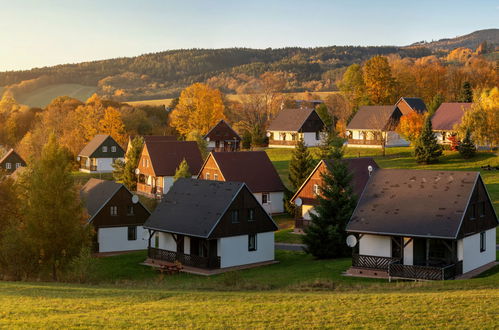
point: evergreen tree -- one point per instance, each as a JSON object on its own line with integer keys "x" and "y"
{"x": 466, "y": 93}
{"x": 437, "y": 100}
{"x": 326, "y": 117}
{"x": 325, "y": 236}
{"x": 467, "y": 148}
{"x": 182, "y": 171}
{"x": 427, "y": 149}
{"x": 331, "y": 145}
{"x": 124, "y": 172}
{"x": 300, "y": 166}
{"x": 201, "y": 142}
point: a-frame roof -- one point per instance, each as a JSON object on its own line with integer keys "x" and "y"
{"x": 166, "y": 156}
{"x": 94, "y": 144}
{"x": 222, "y": 132}
{"x": 415, "y": 103}
{"x": 10, "y": 153}
{"x": 292, "y": 120}
{"x": 374, "y": 117}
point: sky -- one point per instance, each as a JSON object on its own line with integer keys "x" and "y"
{"x": 37, "y": 33}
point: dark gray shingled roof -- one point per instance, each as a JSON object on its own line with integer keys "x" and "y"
{"x": 96, "y": 193}
{"x": 372, "y": 117}
{"x": 290, "y": 120}
{"x": 419, "y": 203}
{"x": 193, "y": 207}
{"x": 416, "y": 103}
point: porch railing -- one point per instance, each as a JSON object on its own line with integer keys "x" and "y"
{"x": 425, "y": 272}
{"x": 91, "y": 168}
{"x": 372, "y": 262}
{"x": 283, "y": 143}
{"x": 365, "y": 142}
{"x": 184, "y": 259}
{"x": 149, "y": 190}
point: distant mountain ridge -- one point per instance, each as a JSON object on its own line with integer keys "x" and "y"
{"x": 471, "y": 40}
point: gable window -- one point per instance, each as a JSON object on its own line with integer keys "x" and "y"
{"x": 132, "y": 233}
{"x": 473, "y": 212}
{"x": 114, "y": 210}
{"x": 18, "y": 165}
{"x": 252, "y": 242}
{"x": 8, "y": 166}
{"x": 265, "y": 198}
{"x": 316, "y": 189}
{"x": 130, "y": 210}
{"x": 483, "y": 242}
{"x": 215, "y": 177}
{"x": 104, "y": 149}
{"x": 113, "y": 148}
{"x": 234, "y": 216}
{"x": 317, "y": 135}
{"x": 481, "y": 209}
{"x": 251, "y": 214}
{"x": 147, "y": 162}
{"x": 207, "y": 176}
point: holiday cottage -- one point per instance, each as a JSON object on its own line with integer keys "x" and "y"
{"x": 251, "y": 167}
{"x": 210, "y": 225}
{"x": 149, "y": 138}
{"x": 422, "y": 224}
{"x": 407, "y": 105}
{"x": 99, "y": 154}
{"x": 446, "y": 118}
{"x": 306, "y": 196}
{"x": 159, "y": 161}
{"x": 11, "y": 161}
{"x": 222, "y": 138}
{"x": 291, "y": 125}
{"x": 117, "y": 216}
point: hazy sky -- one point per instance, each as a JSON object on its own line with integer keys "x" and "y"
{"x": 36, "y": 33}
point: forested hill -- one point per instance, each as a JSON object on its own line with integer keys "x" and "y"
{"x": 472, "y": 40}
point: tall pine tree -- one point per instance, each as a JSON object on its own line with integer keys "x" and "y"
{"x": 467, "y": 148}
{"x": 325, "y": 236}
{"x": 124, "y": 172}
{"x": 182, "y": 171}
{"x": 427, "y": 149}
{"x": 331, "y": 145}
{"x": 300, "y": 166}
{"x": 466, "y": 94}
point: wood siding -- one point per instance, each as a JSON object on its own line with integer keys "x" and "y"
{"x": 122, "y": 199}
{"x": 243, "y": 202}
{"x": 13, "y": 159}
{"x": 313, "y": 123}
{"x": 404, "y": 108}
{"x": 109, "y": 142}
{"x": 211, "y": 167}
{"x": 306, "y": 193}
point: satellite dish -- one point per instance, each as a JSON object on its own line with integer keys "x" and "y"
{"x": 351, "y": 241}
{"x": 137, "y": 171}
{"x": 298, "y": 202}
{"x": 135, "y": 199}
{"x": 268, "y": 134}
{"x": 208, "y": 139}
{"x": 370, "y": 168}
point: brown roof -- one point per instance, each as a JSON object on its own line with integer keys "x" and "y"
{"x": 448, "y": 115}
{"x": 416, "y": 103}
{"x": 420, "y": 203}
{"x": 376, "y": 117}
{"x": 222, "y": 132}
{"x": 166, "y": 156}
{"x": 251, "y": 167}
{"x": 9, "y": 153}
{"x": 152, "y": 138}
{"x": 290, "y": 120}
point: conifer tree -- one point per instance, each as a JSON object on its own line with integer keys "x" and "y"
{"x": 325, "y": 236}
{"x": 124, "y": 172}
{"x": 467, "y": 148}
{"x": 466, "y": 93}
{"x": 427, "y": 150}
{"x": 331, "y": 145}
{"x": 301, "y": 165}
{"x": 182, "y": 171}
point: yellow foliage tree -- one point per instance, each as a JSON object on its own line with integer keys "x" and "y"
{"x": 378, "y": 79}
{"x": 112, "y": 124}
{"x": 199, "y": 108}
{"x": 411, "y": 125}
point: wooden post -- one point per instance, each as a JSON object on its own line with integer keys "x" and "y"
{"x": 427, "y": 250}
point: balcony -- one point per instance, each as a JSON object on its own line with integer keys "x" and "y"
{"x": 365, "y": 142}
{"x": 283, "y": 143}
{"x": 184, "y": 259}
{"x": 372, "y": 262}
{"x": 149, "y": 191}
{"x": 425, "y": 272}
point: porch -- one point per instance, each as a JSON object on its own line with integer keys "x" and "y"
{"x": 149, "y": 190}
{"x": 286, "y": 143}
{"x": 211, "y": 262}
{"x": 88, "y": 164}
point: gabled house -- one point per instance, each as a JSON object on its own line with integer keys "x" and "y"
{"x": 374, "y": 126}
{"x": 222, "y": 138}
{"x": 116, "y": 215}
{"x": 159, "y": 161}
{"x": 210, "y": 225}
{"x": 99, "y": 154}
{"x": 447, "y": 116}
{"x": 251, "y": 167}
{"x": 306, "y": 196}
{"x": 422, "y": 224}
{"x": 149, "y": 138}
{"x": 291, "y": 125}
{"x": 408, "y": 104}
{"x": 11, "y": 161}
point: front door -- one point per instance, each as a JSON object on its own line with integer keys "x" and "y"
{"x": 397, "y": 247}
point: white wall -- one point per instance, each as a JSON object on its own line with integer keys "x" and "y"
{"x": 233, "y": 251}
{"x": 375, "y": 245}
{"x": 395, "y": 140}
{"x": 276, "y": 204}
{"x": 408, "y": 252}
{"x": 104, "y": 165}
{"x": 167, "y": 183}
{"x": 470, "y": 250}
{"x": 114, "y": 239}
{"x": 166, "y": 242}
{"x": 309, "y": 139}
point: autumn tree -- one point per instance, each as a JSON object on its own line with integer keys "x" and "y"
{"x": 379, "y": 81}
{"x": 199, "y": 108}
{"x": 9, "y": 201}
{"x": 410, "y": 126}
{"x": 353, "y": 87}
{"x": 124, "y": 172}
{"x": 112, "y": 125}
{"x": 427, "y": 150}
{"x": 200, "y": 141}
{"x": 182, "y": 171}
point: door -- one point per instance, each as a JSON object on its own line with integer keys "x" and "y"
{"x": 398, "y": 247}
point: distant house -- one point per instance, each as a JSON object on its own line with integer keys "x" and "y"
{"x": 149, "y": 138}
{"x": 306, "y": 196}
{"x": 373, "y": 126}
{"x": 408, "y": 104}
{"x": 11, "y": 161}
{"x": 222, "y": 138}
{"x": 447, "y": 116}
{"x": 99, "y": 154}
{"x": 291, "y": 125}
{"x": 117, "y": 216}
{"x": 159, "y": 161}
{"x": 210, "y": 225}
{"x": 422, "y": 224}
{"x": 251, "y": 167}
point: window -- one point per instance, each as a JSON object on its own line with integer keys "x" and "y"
{"x": 251, "y": 214}
{"x": 317, "y": 136}
{"x": 132, "y": 233}
{"x": 483, "y": 246}
{"x": 207, "y": 176}
{"x": 104, "y": 149}
{"x": 130, "y": 210}
{"x": 18, "y": 165}
{"x": 252, "y": 242}
{"x": 8, "y": 166}
{"x": 113, "y": 149}
{"x": 147, "y": 162}
{"x": 316, "y": 189}
{"x": 473, "y": 212}
{"x": 215, "y": 177}
{"x": 481, "y": 209}
{"x": 234, "y": 216}
{"x": 114, "y": 211}
{"x": 265, "y": 198}
{"x": 156, "y": 241}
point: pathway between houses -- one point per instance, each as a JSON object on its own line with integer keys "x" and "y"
{"x": 289, "y": 246}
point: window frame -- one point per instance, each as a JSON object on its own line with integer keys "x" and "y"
{"x": 130, "y": 208}
{"x": 317, "y": 136}
{"x": 483, "y": 242}
{"x": 133, "y": 231}
{"x": 8, "y": 166}
{"x": 113, "y": 148}
{"x": 267, "y": 198}
{"x": 104, "y": 148}
{"x": 113, "y": 210}
{"x": 481, "y": 209}
{"x": 252, "y": 242}
{"x": 251, "y": 215}
{"x": 473, "y": 211}
{"x": 207, "y": 176}
{"x": 215, "y": 177}
{"x": 315, "y": 189}
{"x": 234, "y": 216}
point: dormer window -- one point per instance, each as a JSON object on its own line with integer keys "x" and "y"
{"x": 104, "y": 148}
{"x": 113, "y": 149}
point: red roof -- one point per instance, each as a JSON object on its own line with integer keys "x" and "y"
{"x": 448, "y": 115}
{"x": 166, "y": 156}
{"x": 251, "y": 167}
{"x": 222, "y": 132}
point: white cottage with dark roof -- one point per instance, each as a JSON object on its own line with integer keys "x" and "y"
{"x": 99, "y": 154}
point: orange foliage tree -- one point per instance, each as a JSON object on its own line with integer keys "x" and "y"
{"x": 410, "y": 126}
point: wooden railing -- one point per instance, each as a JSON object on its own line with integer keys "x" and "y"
{"x": 149, "y": 190}
{"x": 184, "y": 259}
{"x": 282, "y": 143}
{"x": 302, "y": 223}
{"x": 372, "y": 262}
{"x": 91, "y": 168}
{"x": 365, "y": 142}
{"x": 425, "y": 272}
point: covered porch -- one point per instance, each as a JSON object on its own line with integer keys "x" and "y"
{"x": 87, "y": 164}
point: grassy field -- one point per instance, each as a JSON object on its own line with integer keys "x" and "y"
{"x": 43, "y": 96}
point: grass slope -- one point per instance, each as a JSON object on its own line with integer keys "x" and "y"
{"x": 42, "y": 96}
